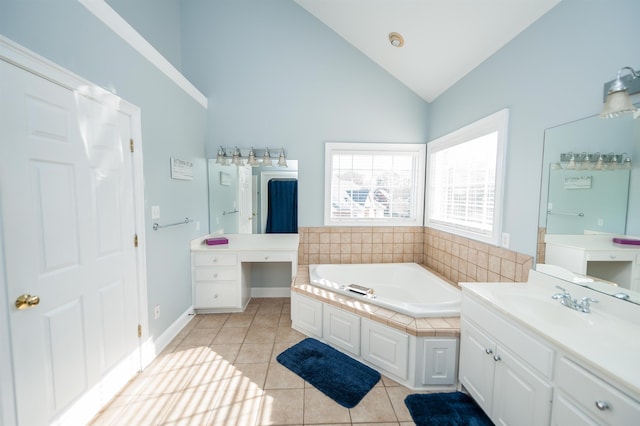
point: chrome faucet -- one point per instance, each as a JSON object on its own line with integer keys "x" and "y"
{"x": 565, "y": 298}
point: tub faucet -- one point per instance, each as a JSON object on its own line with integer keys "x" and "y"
{"x": 565, "y": 298}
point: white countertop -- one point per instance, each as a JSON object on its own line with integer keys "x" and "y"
{"x": 607, "y": 339}
{"x": 249, "y": 242}
{"x": 591, "y": 242}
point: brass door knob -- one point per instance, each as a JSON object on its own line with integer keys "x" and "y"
{"x": 27, "y": 301}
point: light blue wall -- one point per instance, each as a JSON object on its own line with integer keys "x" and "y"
{"x": 158, "y": 21}
{"x": 550, "y": 74}
{"x": 275, "y": 76}
{"x": 173, "y": 124}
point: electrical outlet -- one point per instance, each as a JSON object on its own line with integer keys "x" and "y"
{"x": 155, "y": 212}
{"x": 156, "y": 312}
{"x": 505, "y": 239}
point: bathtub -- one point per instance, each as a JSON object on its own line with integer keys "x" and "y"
{"x": 407, "y": 288}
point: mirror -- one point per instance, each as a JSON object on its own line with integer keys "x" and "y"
{"x": 581, "y": 197}
{"x": 238, "y": 195}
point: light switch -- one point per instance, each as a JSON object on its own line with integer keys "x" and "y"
{"x": 155, "y": 212}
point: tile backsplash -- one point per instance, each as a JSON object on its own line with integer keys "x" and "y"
{"x": 455, "y": 258}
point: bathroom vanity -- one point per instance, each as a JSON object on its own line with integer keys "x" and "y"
{"x": 528, "y": 360}
{"x": 222, "y": 275}
{"x": 597, "y": 256}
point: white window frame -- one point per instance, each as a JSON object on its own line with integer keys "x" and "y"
{"x": 419, "y": 153}
{"x": 497, "y": 122}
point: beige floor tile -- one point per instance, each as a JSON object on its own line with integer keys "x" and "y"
{"x": 247, "y": 376}
{"x": 145, "y": 410}
{"x": 260, "y": 334}
{"x": 226, "y": 351}
{"x": 281, "y": 407}
{"x": 230, "y": 335}
{"x": 289, "y": 335}
{"x": 212, "y": 321}
{"x": 191, "y": 408}
{"x": 254, "y": 353}
{"x": 374, "y": 407}
{"x": 239, "y": 320}
{"x": 319, "y": 408}
{"x": 396, "y": 396}
{"x": 237, "y": 407}
{"x": 211, "y": 376}
{"x": 267, "y": 320}
{"x": 199, "y": 336}
{"x": 280, "y": 377}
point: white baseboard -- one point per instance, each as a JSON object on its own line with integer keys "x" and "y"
{"x": 271, "y": 291}
{"x": 152, "y": 347}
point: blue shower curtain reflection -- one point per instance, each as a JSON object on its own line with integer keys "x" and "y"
{"x": 282, "y": 211}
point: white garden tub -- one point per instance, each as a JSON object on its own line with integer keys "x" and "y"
{"x": 406, "y": 288}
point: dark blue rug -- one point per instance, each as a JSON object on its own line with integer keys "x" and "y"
{"x": 445, "y": 409}
{"x": 333, "y": 373}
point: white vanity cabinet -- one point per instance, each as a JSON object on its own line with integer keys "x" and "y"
{"x": 597, "y": 256}
{"x": 222, "y": 274}
{"x": 505, "y": 369}
{"x": 215, "y": 282}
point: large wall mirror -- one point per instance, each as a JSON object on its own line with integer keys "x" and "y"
{"x": 240, "y": 198}
{"x": 591, "y": 179}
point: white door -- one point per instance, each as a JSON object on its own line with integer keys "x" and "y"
{"x": 245, "y": 194}
{"x": 67, "y": 208}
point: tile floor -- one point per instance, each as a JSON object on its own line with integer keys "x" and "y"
{"x": 222, "y": 370}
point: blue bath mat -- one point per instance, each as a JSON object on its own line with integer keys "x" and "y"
{"x": 445, "y": 409}
{"x": 333, "y": 373}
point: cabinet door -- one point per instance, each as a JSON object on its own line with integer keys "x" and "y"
{"x": 341, "y": 329}
{"x": 306, "y": 315}
{"x": 520, "y": 397}
{"x": 477, "y": 366}
{"x": 385, "y": 347}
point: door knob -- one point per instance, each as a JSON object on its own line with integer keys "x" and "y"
{"x": 27, "y": 301}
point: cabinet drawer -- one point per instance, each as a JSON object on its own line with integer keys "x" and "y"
{"x": 589, "y": 391}
{"x": 610, "y": 256}
{"x": 214, "y": 259}
{"x": 267, "y": 257}
{"x": 215, "y": 274}
{"x": 531, "y": 350}
{"x": 218, "y": 295}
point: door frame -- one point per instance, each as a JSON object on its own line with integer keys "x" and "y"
{"x": 29, "y": 61}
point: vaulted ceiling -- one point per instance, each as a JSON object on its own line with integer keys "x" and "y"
{"x": 443, "y": 39}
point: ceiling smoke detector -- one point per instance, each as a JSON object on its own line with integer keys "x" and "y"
{"x": 396, "y": 40}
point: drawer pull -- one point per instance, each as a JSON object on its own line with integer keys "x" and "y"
{"x": 602, "y": 405}
{"x": 488, "y": 351}
{"x": 266, "y": 258}
{"x": 215, "y": 259}
{"x": 496, "y": 358}
{"x": 215, "y": 296}
{"x": 215, "y": 275}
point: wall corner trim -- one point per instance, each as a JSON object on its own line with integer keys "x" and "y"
{"x": 118, "y": 25}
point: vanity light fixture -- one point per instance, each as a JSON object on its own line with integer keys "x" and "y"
{"x": 396, "y": 39}
{"x": 282, "y": 159}
{"x": 254, "y": 157}
{"x": 221, "y": 157}
{"x": 266, "y": 159}
{"x": 617, "y": 92}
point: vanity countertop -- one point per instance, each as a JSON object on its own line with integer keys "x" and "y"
{"x": 591, "y": 242}
{"x": 603, "y": 339}
{"x": 249, "y": 242}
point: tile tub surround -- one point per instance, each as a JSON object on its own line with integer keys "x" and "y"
{"x": 455, "y": 258}
{"x": 463, "y": 260}
{"x": 419, "y": 327}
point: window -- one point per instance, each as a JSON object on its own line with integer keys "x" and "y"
{"x": 374, "y": 184}
{"x": 465, "y": 179}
